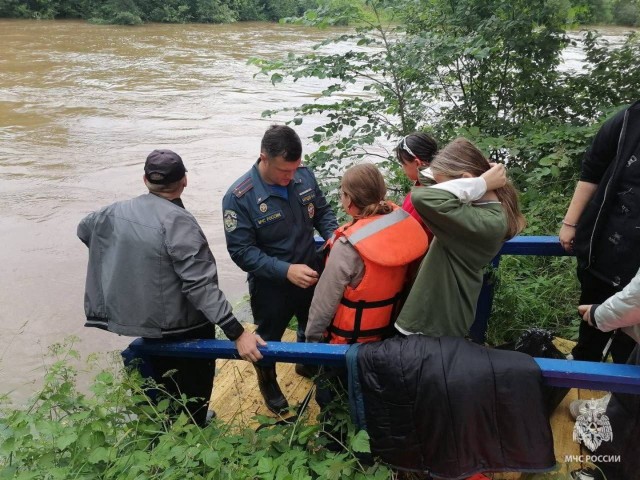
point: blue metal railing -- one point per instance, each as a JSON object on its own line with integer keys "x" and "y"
{"x": 539, "y": 246}
{"x": 559, "y": 373}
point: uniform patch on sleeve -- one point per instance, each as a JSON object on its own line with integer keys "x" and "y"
{"x": 230, "y": 219}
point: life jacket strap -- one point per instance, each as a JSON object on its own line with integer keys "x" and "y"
{"x": 353, "y": 335}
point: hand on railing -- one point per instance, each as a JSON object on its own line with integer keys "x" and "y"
{"x": 247, "y": 345}
{"x": 566, "y": 235}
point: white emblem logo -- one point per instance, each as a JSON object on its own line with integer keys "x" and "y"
{"x": 263, "y": 207}
{"x": 592, "y": 425}
{"x": 311, "y": 210}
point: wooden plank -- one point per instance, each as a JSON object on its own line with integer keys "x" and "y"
{"x": 236, "y": 398}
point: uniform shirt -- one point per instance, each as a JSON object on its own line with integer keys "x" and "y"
{"x": 266, "y": 232}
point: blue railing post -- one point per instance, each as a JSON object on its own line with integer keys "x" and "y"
{"x": 520, "y": 245}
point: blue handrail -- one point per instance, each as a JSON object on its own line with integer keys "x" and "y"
{"x": 559, "y": 373}
{"x": 546, "y": 246}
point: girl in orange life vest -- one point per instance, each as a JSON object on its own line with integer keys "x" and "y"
{"x": 415, "y": 152}
{"x": 357, "y": 295}
{"x": 356, "y": 298}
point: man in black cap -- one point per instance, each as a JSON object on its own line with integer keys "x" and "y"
{"x": 151, "y": 274}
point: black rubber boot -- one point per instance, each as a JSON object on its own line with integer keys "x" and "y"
{"x": 307, "y": 371}
{"x": 270, "y": 390}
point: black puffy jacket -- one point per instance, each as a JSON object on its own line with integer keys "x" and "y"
{"x": 449, "y": 407}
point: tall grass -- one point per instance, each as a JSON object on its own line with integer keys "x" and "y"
{"x": 534, "y": 292}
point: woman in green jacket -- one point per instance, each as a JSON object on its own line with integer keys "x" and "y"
{"x": 472, "y": 209}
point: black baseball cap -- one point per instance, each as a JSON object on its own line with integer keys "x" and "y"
{"x": 164, "y": 167}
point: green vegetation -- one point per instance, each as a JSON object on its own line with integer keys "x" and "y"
{"x": 619, "y": 12}
{"x": 488, "y": 70}
{"x": 133, "y": 12}
{"x": 171, "y": 11}
{"x": 115, "y": 432}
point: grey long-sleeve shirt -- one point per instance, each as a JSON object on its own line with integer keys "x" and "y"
{"x": 344, "y": 267}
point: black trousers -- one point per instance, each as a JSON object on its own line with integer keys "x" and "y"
{"x": 623, "y": 411}
{"x": 193, "y": 376}
{"x": 591, "y": 341}
{"x": 274, "y": 304}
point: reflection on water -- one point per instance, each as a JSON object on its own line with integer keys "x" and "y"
{"x": 80, "y": 108}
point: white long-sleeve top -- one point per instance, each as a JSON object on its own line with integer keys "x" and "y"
{"x": 621, "y": 310}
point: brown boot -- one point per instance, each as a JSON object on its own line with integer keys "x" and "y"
{"x": 270, "y": 390}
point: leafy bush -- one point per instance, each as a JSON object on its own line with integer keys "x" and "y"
{"x": 627, "y": 13}
{"x": 126, "y": 18}
{"x": 170, "y": 11}
{"x": 486, "y": 70}
{"x": 115, "y": 432}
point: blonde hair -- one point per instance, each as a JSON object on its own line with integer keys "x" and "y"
{"x": 461, "y": 156}
{"x": 366, "y": 188}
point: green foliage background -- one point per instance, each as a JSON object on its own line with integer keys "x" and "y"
{"x": 115, "y": 432}
{"x": 132, "y": 12}
{"x": 489, "y": 70}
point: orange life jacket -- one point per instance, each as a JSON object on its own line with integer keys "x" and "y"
{"x": 387, "y": 245}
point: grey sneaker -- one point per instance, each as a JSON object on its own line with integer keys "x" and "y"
{"x": 586, "y": 474}
{"x": 600, "y": 403}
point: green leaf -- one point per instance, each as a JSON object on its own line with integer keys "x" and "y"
{"x": 265, "y": 464}
{"x": 211, "y": 458}
{"x": 100, "y": 454}
{"x": 63, "y": 441}
{"x": 360, "y": 442}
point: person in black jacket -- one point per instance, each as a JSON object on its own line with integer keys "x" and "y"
{"x": 602, "y": 223}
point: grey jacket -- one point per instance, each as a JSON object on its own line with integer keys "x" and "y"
{"x": 151, "y": 272}
{"x": 621, "y": 310}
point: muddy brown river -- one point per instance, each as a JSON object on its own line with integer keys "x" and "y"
{"x": 80, "y": 108}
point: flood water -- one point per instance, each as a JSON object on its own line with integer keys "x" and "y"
{"x": 80, "y": 108}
